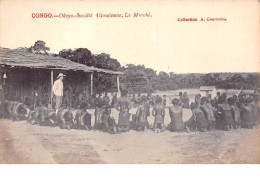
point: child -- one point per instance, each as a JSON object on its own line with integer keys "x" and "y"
{"x": 109, "y": 124}
{"x": 158, "y": 113}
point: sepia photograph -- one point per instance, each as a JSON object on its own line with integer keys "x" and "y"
{"x": 129, "y": 82}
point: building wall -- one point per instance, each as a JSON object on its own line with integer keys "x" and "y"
{"x": 22, "y": 83}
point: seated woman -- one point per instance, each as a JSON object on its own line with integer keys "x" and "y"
{"x": 198, "y": 120}
{"x": 158, "y": 113}
{"x": 175, "y": 112}
{"x": 207, "y": 109}
{"x": 141, "y": 114}
{"x": 16, "y": 110}
{"x": 225, "y": 118}
{"x": 81, "y": 118}
{"x": 247, "y": 116}
{"x": 253, "y": 104}
{"x": 235, "y": 112}
{"x": 198, "y": 99}
{"x": 65, "y": 118}
{"x": 42, "y": 115}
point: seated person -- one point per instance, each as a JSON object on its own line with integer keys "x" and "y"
{"x": 225, "y": 119}
{"x": 198, "y": 120}
{"x": 235, "y": 112}
{"x": 109, "y": 124}
{"x": 246, "y": 114}
{"x": 207, "y": 109}
{"x": 175, "y": 112}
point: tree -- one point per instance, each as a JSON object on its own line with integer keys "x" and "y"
{"x": 138, "y": 78}
{"x": 164, "y": 81}
{"x": 80, "y": 55}
{"x": 135, "y": 79}
{"x": 103, "y": 60}
{"x": 252, "y": 81}
{"x": 39, "y": 47}
{"x": 208, "y": 80}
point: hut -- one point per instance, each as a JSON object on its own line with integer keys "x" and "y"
{"x": 206, "y": 90}
{"x": 27, "y": 74}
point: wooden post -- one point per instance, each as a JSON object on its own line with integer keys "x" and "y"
{"x": 51, "y": 87}
{"x": 91, "y": 83}
{"x": 118, "y": 84}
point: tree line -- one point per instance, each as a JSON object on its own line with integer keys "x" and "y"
{"x": 138, "y": 78}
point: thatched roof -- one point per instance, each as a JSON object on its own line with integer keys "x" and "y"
{"x": 22, "y": 58}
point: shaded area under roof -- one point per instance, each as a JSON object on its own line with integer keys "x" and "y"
{"x": 21, "y": 58}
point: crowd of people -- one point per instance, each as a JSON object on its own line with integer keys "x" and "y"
{"x": 221, "y": 112}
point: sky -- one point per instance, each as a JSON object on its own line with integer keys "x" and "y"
{"x": 160, "y": 42}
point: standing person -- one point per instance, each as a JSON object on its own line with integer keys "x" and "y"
{"x": 158, "y": 113}
{"x": 141, "y": 114}
{"x": 106, "y": 99}
{"x": 236, "y": 99}
{"x": 95, "y": 100}
{"x": 138, "y": 99}
{"x": 215, "y": 101}
{"x": 185, "y": 100}
{"x": 180, "y": 95}
{"x": 133, "y": 98}
{"x": 99, "y": 111}
{"x": 209, "y": 98}
{"x": 164, "y": 100}
{"x": 123, "y": 105}
{"x": 114, "y": 100}
{"x": 150, "y": 99}
{"x": 58, "y": 91}
{"x": 175, "y": 112}
{"x": 68, "y": 99}
{"x": 198, "y": 99}
{"x": 218, "y": 95}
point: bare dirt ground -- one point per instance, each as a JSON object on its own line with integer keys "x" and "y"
{"x": 21, "y": 142}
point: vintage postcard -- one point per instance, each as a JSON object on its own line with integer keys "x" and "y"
{"x": 129, "y": 82}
